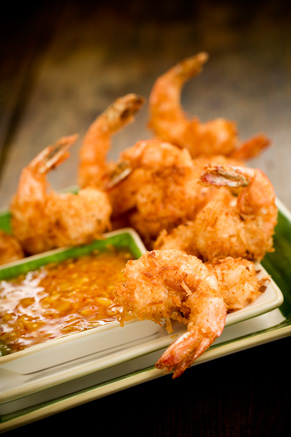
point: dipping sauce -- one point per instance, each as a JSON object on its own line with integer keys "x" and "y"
{"x": 58, "y": 299}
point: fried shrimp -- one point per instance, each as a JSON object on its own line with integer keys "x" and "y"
{"x": 94, "y": 170}
{"x": 165, "y": 192}
{"x": 10, "y": 248}
{"x": 42, "y": 219}
{"x": 174, "y": 286}
{"x": 153, "y": 185}
{"x": 229, "y": 225}
{"x": 160, "y": 189}
{"x": 169, "y": 122}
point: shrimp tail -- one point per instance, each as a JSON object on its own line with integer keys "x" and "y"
{"x": 251, "y": 148}
{"x": 170, "y": 85}
{"x": 116, "y": 116}
{"x": 224, "y": 175}
{"x": 189, "y": 67}
{"x": 182, "y": 353}
{"x": 54, "y": 155}
{"x": 199, "y": 337}
{"x": 119, "y": 173}
{"x": 93, "y": 167}
{"x": 122, "y": 111}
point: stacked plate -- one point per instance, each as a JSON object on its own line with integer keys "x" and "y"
{"x": 68, "y": 371}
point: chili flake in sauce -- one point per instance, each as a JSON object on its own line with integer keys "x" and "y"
{"x": 58, "y": 299}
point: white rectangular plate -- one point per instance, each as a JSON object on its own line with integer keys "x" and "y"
{"x": 44, "y": 373}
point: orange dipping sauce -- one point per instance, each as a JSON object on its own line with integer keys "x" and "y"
{"x": 58, "y": 299}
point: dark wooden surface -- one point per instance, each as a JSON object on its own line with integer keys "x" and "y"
{"x": 62, "y": 63}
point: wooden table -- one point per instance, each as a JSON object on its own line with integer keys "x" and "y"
{"x": 62, "y": 64}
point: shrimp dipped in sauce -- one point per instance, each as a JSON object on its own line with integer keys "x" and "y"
{"x": 229, "y": 225}
{"x": 171, "y": 285}
{"x": 169, "y": 122}
{"x": 43, "y": 219}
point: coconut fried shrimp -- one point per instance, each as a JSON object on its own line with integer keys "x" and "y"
{"x": 42, "y": 219}
{"x": 230, "y": 225}
{"x": 171, "y": 285}
{"x": 169, "y": 122}
{"x": 10, "y": 248}
{"x": 166, "y": 190}
{"x": 93, "y": 167}
{"x": 174, "y": 286}
{"x": 150, "y": 192}
{"x": 237, "y": 226}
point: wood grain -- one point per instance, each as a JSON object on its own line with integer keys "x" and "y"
{"x": 77, "y": 61}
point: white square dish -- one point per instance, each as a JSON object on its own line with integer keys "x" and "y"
{"x": 73, "y": 346}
